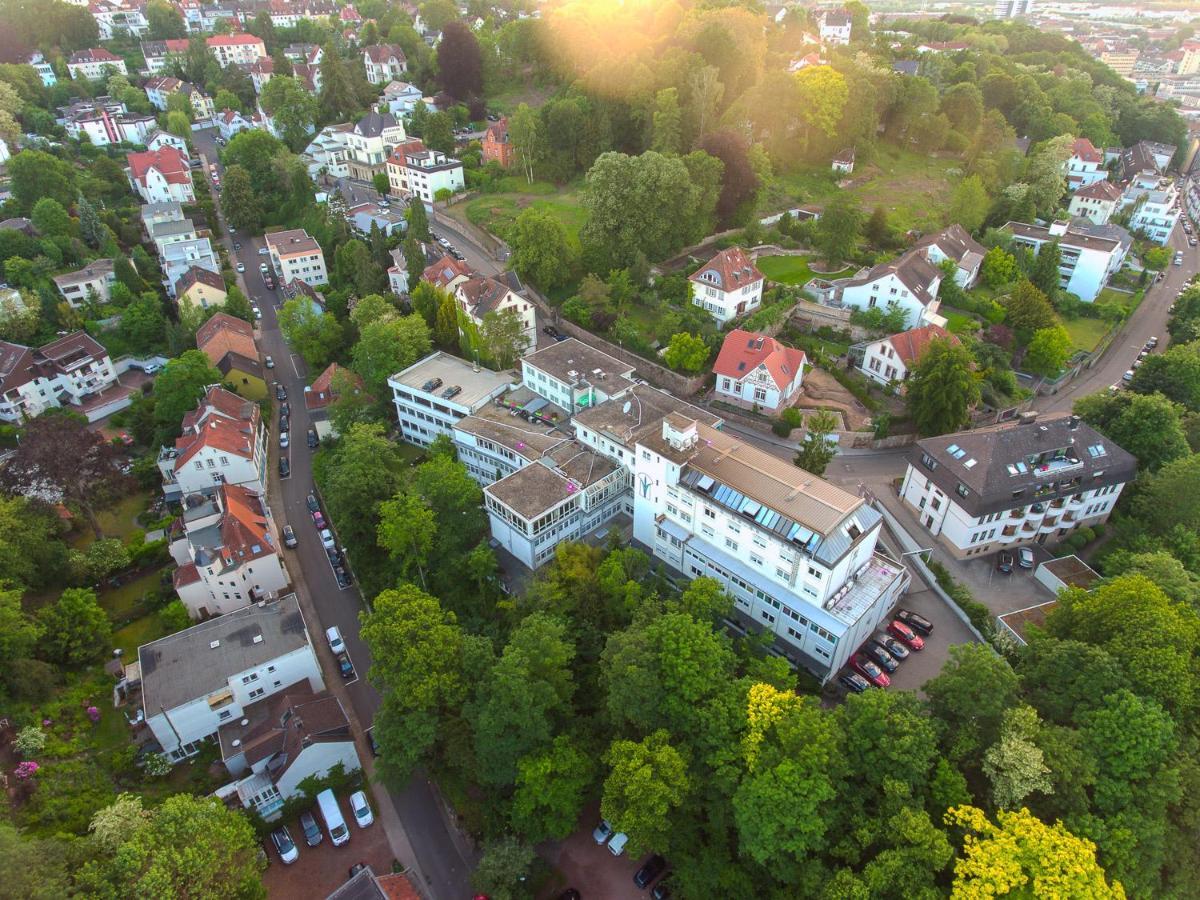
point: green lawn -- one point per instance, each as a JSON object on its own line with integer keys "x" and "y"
{"x": 139, "y": 631}
{"x": 792, "y": 269}
{"x": 497, "y": 211}
{"x": 1086, "y": 333}
{"x": 119, "y": 602}
{"x": 118, "y": 521}
{"x": 959, "y": 323}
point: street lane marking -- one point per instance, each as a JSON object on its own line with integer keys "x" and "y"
{"x": 295, "y": 367}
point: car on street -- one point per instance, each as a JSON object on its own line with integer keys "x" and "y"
{"x": 881, "y": 657}
{"x": 257, "y": 312}
{"x": 263, "y": 251}
{"x": 312, "y": 831}
{"x": 313, "y": 440}
{"x": 651, "y": 869}
{"x": 285, "y": 467}
{"x": 241, "y": 267}
{"x": 268, "y": 282}
{"x": 327, "y": 538}
{"x": 553, "y": 332}
{"x": 262, "y": 267}
{"x": 361, "y": 809}
{"x": 1128, "y": 376}
{"x": 342, "y": 576}
{"x": 891, "y": 645}
{"x": 602, "y": 832}
{"x": 318, "y": 519}
{"x": 1025, "y": 558}
{"x": 311, "y": 502}
{"x": 269, "y": 363}
{"x": 345, "y": 667}
{"x": 285, "y": 409}
{"x": 236, "y": 246}
{"x": 852, "y": 681}
{"x": 865, "y": 667}
{"x": 334, "y": 556}
{"x": 1152, "y": 343}
{"x": 906, "y": 635}
{"x": 334, "y": 635}
{"x": 280, "y": 392}
{"x": 283, "y": 440}
{"x": 371, "y": 740}
{"x": 284, "y": 846}
{"x": 289, "y": 537}
{"x": 283, "y": 423}
{"x": 915, "y": 621}
{"x": 1004, "y": 562}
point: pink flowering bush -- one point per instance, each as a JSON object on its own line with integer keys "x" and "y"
{"x": 93, "y": 714}
{"x": 26, "y": 769}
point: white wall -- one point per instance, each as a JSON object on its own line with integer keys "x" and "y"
{"x": 885, "y": 291}
{"x": 317, "y": 759}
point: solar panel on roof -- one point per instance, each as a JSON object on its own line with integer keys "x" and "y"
{"x": 705, "y": 483}
{"x": 793, "y": 531}
{"x": 772, "y": 518}
{"x": 750, "y": 508}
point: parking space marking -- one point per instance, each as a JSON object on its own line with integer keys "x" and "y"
{"x": 295, "y": 368}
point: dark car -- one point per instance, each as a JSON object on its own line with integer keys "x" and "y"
{"x": 311, "y": 502}
{"x": 662, "y": 890}
{"x": 285, "y": 846}
{"x": 866, "y": 667}
{"x": 550, "y": 330}
{"x": 343, "y": 577}
{"x": 345, "y": 667}
{"x": 318, "y": 519}
{"x": 289, "y": 537}
{"x": 372, "y": 742}
{"x": 285, "y": 468}
{"x": 852, "y": 681}
{"x": 651, "y": 869}
{"x": 915, "y": 621}
{"x": 313, "y": 440}
{"x": 907, "y": 636}
{"x": 1004, "y": 562}
{"x": 285, "y": 410}
{"x": 237, "y": 246}
{"x": 312, "y": 831}
{"x": 881, "y": 656}
{"x": 891, "y": 645}
{"x": 280, "y": 392}
{"x": 284, "y": 423}
{"x": 335, "y": 556}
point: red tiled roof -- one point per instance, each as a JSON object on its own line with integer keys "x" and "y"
{"x": 168, "y": 161}
{"x": 497, "y": 131}
{"x": 745, "y": 351}
{"x": 909, "y": 345}
{"x": 224, "y": 334}
{"x": 320, "y": 394}
{"x": 185, "y": 575}
{"x": 244, "y": 532}
{"x": 198, "y": 275}
{"x": 97, "y": 54}
{"x": 446, "y": 270}
{"x": 1100, "y": 190}
{"x": 396, "y": 886}
{"x": 1085, "y": 150}
{"x": 733, "y": 267}
{"x": 381, "y": 53}
{"x": 233, "y": 40}
{"x": 220, "y": 434}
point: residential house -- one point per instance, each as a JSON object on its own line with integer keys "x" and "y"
{"x": 71, "y": 371}
{"x": 397, "y": 167}
{"x": 200, "y": 289}
{"x": 834, "y": 26}
{"x": 44, "y": 70}
{"x": 223, "y": 442}
{"x": 178, "y": 257}
{"x": 384, "y": 63}
{"x": 92, "y": 282}
{"x": 401, "y": 98}
{"x": 172, "y": 231}
{"x": 727, "y": 286}
{"x": 1019, "y": 483}
{"x": 366, "y": 885}
{"x": 228, "y": 342}
{"x": 312, "y": 54}
{"x": 329, "y": 152}
{"x": 910, "y": 282}
{"x": 843, "y": 163}
{"x": 236, "y": 49}
{"x": 1085, "y": 166}
{"x": 428, "y": 172}
{"x": 103, "y": 122}
{"x": 1146, "y": 157}
{"x": 447, "y": 273}
{"x": 160, "y": 89}
{"x": 1097, "y": 202}
{"x": 483, "y": 294}
{"x": 955, "y": 244}
{"x": 758, "y": 371}
{"x": 94, "y": 64}
{"x": 160, "y": 55}
{"x": 118, "y": 19}
{"x": 892, "y": 359}
{"x": 365, "y": 215}
{"x": 432, "y": 395}
{"x": 1088, "y": 261}
{"x": 1157, "y": 212}
{"x": 161, "y": 175}
{"x": 370, "y": 143}
{"x": 260, "y": 72}
{"x": 157, "y": 139}
{"x": 496, "y": 144}
{"x": 280, "y": 741}
{"x": 154, "y": 214}
{"x": 232, "y": 122}
{"x": 196, "y": 680}
{"x": 296, "y": 256}
{"x": 943, "y": 47}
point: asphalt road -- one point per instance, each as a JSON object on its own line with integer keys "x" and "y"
{"x": 442, "y": 868}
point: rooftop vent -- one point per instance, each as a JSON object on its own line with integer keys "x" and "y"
{"x": 244, "y": 722}
{"x": 258, "y": 639}
{"x": 236, "y": 743}
{"x": 213, "y": 645}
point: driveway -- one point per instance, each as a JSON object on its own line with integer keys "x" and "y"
{"x": 420, "y": 833}
{"x": 590, "y": 868}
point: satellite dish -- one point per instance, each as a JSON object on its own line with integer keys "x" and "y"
{"x": 625, "y": 408}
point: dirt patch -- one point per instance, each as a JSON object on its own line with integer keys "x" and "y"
{"x": 823, "y": 391}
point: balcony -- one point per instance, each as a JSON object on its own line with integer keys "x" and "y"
{"x": 1009, "y": 531}
{"x": 1028, "y": 528}
{"x": 1057, "y": 504}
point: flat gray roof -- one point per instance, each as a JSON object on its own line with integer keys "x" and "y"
{"x": 478, "y": 387}
{"x": 571, "y": 355}
{"x": 185, "y": 666}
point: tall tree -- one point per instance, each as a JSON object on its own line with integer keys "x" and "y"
{"x": 667, "y": 122}
{"x": 540, "y": 253}
{"x": 969, "y": 203}
{"x": 1147, "y": 425}
{"x": 816, "y": 450}
{"x": 239, "y": 201}
{"x": 75, "y": 629}
{"x": 1045, "y": 275}
{"x": 177, "y": 388}
{"x": 1027, "y": 308}
{"x": 36, "y": 175}
{"x": 739, "y": 180}
{"x": 528, "y": 141}
{"x": 551, "y": 790}
{"x": 338, "y": 98}
{"x": 386, "y": 346}
{"x": 1048, "y": 351}
{"x": 459, "y": 62}
{"x": 838, "y": 229}
{"x": 293, "y": 108}
{"x": 502, "y": 337}
{"x": 646, "y": 784}
{"x": 315, "y": 335}
{"x": 418, "y": 221}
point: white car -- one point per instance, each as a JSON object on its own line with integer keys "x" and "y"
{"x": 269, "y": 363}
{"x": 361, "y": 809}
{"x": 1128, "y": 376}
{"x": 327, "y": 540}
{"x": 263, "y": 251}
{"x": 283, "y": 440}
{"x": 602, "y": 832}
{"x": 257, "y": 312}
{"x": 241, "y": 267}
{"x": 617, "y": 845}
{"x": 336, "y": 644}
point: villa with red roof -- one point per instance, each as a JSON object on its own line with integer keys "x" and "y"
{"x": 758, "y": 371}
{"x": 384, "y": 63}
{"x": 891, "y": 359}
{"x": 223, "y": 442}
{"x": 161, "y": 176}
{"x": 1085, "y": 165}
{"x": 728, "y": 285}
{"x": 225, "y": 547}
{"x": 447, "y": 273}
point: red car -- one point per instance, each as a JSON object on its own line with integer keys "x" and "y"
{"x": 318, "y": 519}
{"x": 899, "y": 630}
{"x": 869, "y": 670}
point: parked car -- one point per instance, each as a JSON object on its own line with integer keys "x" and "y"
{"x": 263, "y": 251}
{"x": 1004, "y": 562}
{"x": 269, "y": 363}
{"x": 891, "y": 645}
{"x": 662, "y": 890}
{"x": 342, "y": 576}
{"x": 237, "y": 246}
{"x": 334, "y": 556}
{"x": 284, "y": 423}
{"x": 651, "y": 869}
{"x": 345, "y": 667}
{"x": 550, "y": 330}
{"x": 318, "y": 519}
{"x": 283, "y": 440}
{"x": 280, "y": 392}
{"x": 311, "y": 502}
{"x": 868, "y": 670}
{"x": 285, "y": 409}
{"x": 289, "y": 537}
{"x": 602, "y": 832}
{"x": 334, "y": 636}
{"x": 1152, "y": 343}
{"x": 312, "y": 831}
{"x": 313, "y": 440}
{"x": 616, "y": 846}
{"x": 906, "y": 635}
{"x": 852, "y": 681}
{"x": 327, "y": 538}
{"x": 1025, "y": 558}
{"x": 371, "y": 740}
{"x": 285, "y": 467}
{"x": 241, "y": 267}
{"x": 881, "y": 657}
{"x": 284, "y": 845}
{"x": 361, "y": 809}
{"x": 915, "y": 621}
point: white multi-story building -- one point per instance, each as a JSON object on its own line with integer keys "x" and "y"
{"x": 834, "y": 26}
{"x": 297, "y": 257}
{"x": 728, "y": 285}
{"x": 116, "y": 19}
{"x": 1157, "y": 212}
{"x": 157, "y": 139}
{"x": 1097, "y": 202}
{"x": 370, "y": 143}
{"x": 956, "y": 245}
{"x": 224, "y": 546}
{"x": 757, "y": 370}
{"x": 223, "y": 442}
{"x": 910, "y": 282}
{"x": 1087, "y": 260}
{"x": 401, "y": 98}
{"x": 109, "y": 123}
{"x": 481, "y": 295}
{"x": 1085, "y": 165}
{"x": 1191, "y": 198}
{"x": 1033, "y": 481}
{"x": 196, "y": 680}
{"x": 93, "y": 281}
{"x": 890, "y": 360}
{"x": 44, "y": 69}
{"x": 96, "y": 63}
{"x": 72, "y": 371}
{"x": 329, "y": 152}
{"x": 161, "y": 175}
{"x": 236, "y": 49}
{"x": 426, "y": 172}
{"x": 1012, "y": 9}
{"x": 161, "y": 54}
{"x": 433, "y": 394}
{"x": 230, "y": 123}
{"x": 573, "y": 376}
{"x": 384, "y": 63}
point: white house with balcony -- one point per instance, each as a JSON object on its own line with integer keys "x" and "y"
{"x": 434, "y": 393}
{"x": 1085, "y": 165}
{"x": 1157, "y": 212}
{"x": 426, "y": 172}
{"x": 72, "y": 371}
{"x": 728, "y": 285}
{"x": 93, "y": 281}
{"x": 1029, "y": 482}
{"x": 296, "y": 256}
{"x": 196, "y": 680}
{"x": 910, "y": 283}
{"x": 756, "y": 370}
{"x": 369, "y": 143}
{"x": 1097, "y": 202}
{"x": 94, "y": 64}
{"x": 1087, "y": 260}
{"x": 223, "y": 442}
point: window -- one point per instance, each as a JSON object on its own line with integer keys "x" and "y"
{"x": 815, "y": 573}
{"x": 249, "y": 678}
{"x": 756, "y": 559}
{"x": 257, "y": 692}
{"x": 782, "y": 573}
{"x": 928, "y": 461}
{"x": 710, "y": 513}
{"x": 731, "y": 544}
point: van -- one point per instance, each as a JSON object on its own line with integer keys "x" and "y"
{"x": 616, "y": 846}
{"x": 332, "y": 814}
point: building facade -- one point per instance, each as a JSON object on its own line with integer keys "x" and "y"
{"x": 432, "y": 395}
{"x": 223, "y": 442}
{"x": 296, "y": 256}
{"x": 755, "y": 370}
{"x": 1087, "y": 261}
{"x": 728, "y": 286}
{"x": 890, "y": 360}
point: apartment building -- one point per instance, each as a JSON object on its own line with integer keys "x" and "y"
{"x": 71, "y": 371}
{"x": 329, "y": 152}
{"x": 1087, "y": 260}
{"x": 196, "y": 680}
{"x": 1012, "y": 9}
{"x": 296, "y": 256}
{"x": 223, "y": 442}
{"x": 1097, "y": 202}
{"x": 118, "y": 19}
{"x": 178, "y": 257}
{"x": 397, "y": 166}
{"x": 369, "y": 144}
{"x": 1025, "y": 482}
{"x": 91, "y": 283}
{"x": 160, "y": 89}
{"x": 426, "y": 172}
{"x": 384, "y": 63}
{"x": 433, "y": 394}
{"x": 757, "y": 371}
{"x": 225, "y": 550}
{"x": 1085, "y": 165}
{"x": 161, "y": 175}
{"x": 94, "y": 64}
{"x": 105, "y": 122}
{"x": 236, "y": 49}
{"x": 156, "y": 213}
{"x": 44, "y": 70}
{"x": 1157, "y": 212}
{"x": 728, "y": 285}
{"x": 574, "y": 376}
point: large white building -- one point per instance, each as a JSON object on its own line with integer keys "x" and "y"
{"x": 910, "y": 282}
{"x": 434, "y": 393}
{"x": 369, "y": 143}
{"x": 72, "y": 371}
{"x": 223, "y": 442}
{"x": 196, "y": 680}
{"x": 1085, "y": 165}
{"x": 728, "y": 285}
{"x": 1157, "y": 212}
{"x": 384, "y": 63}
{"x": 1087, "y": 260}
{"x": 834, "y": 26}
{"x": 94, "y": 64}
{"x": 104, "y": 122}
{"x": 1097, "y": 202}
{"x": 236, "y": 49}
{"x": 1012, "y": 9}
{"x": 1027, "y": 482}
{"x": 91, "y": 283}
{"x": 224, "y": 544}
{"x": 161, "y": 175}
{"x": 296, "y": 256}
{"x": 426, "y": 172}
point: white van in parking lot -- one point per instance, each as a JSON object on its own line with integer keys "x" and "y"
{"x": 332, "y": 814}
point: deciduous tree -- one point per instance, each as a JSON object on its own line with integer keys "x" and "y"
{"x": 838, "y": 229}
{"x": 386, "y": 346}
{"x": 1027, "y": 308}
{"x": 75, "y": 629}
{"x": 969, "y": 203}
{"x": 293, "y": 108}
{"x": 540, "y": 253}
{"x": 943, "y": 388}
{"x": 647, "y": 783}
{"x": 552, "y": 788}
{"x": 1147, "y": 425}
{"x": 459, "y": 62}
{"x": 1048, "y": 351}
{"x": 816, "y": 451}
{"x": 686, "y": 352}
{"x": 315, "y": 335}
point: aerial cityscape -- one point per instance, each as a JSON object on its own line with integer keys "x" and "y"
{"x": 561, "y": 449}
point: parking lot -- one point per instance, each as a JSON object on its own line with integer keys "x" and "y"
{"x": 321, "y": 869}
{"x": 590, "y": 868}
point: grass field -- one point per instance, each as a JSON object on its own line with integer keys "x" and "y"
{"x": 959, "y": 323}
{"x": 1086, "y": 333}
{"x": 117, "y": 520}
{"x": 496, "y": 212}
{"x": 792, "y": 269}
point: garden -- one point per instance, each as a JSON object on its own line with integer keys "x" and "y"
{"x": 495, "y": 211}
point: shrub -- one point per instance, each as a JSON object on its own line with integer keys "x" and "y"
{"x": 30, "y": 740}
{"x": 781, "y": 428}
{"x": 792, "y": 416}
{"x": 978, "y": 614}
